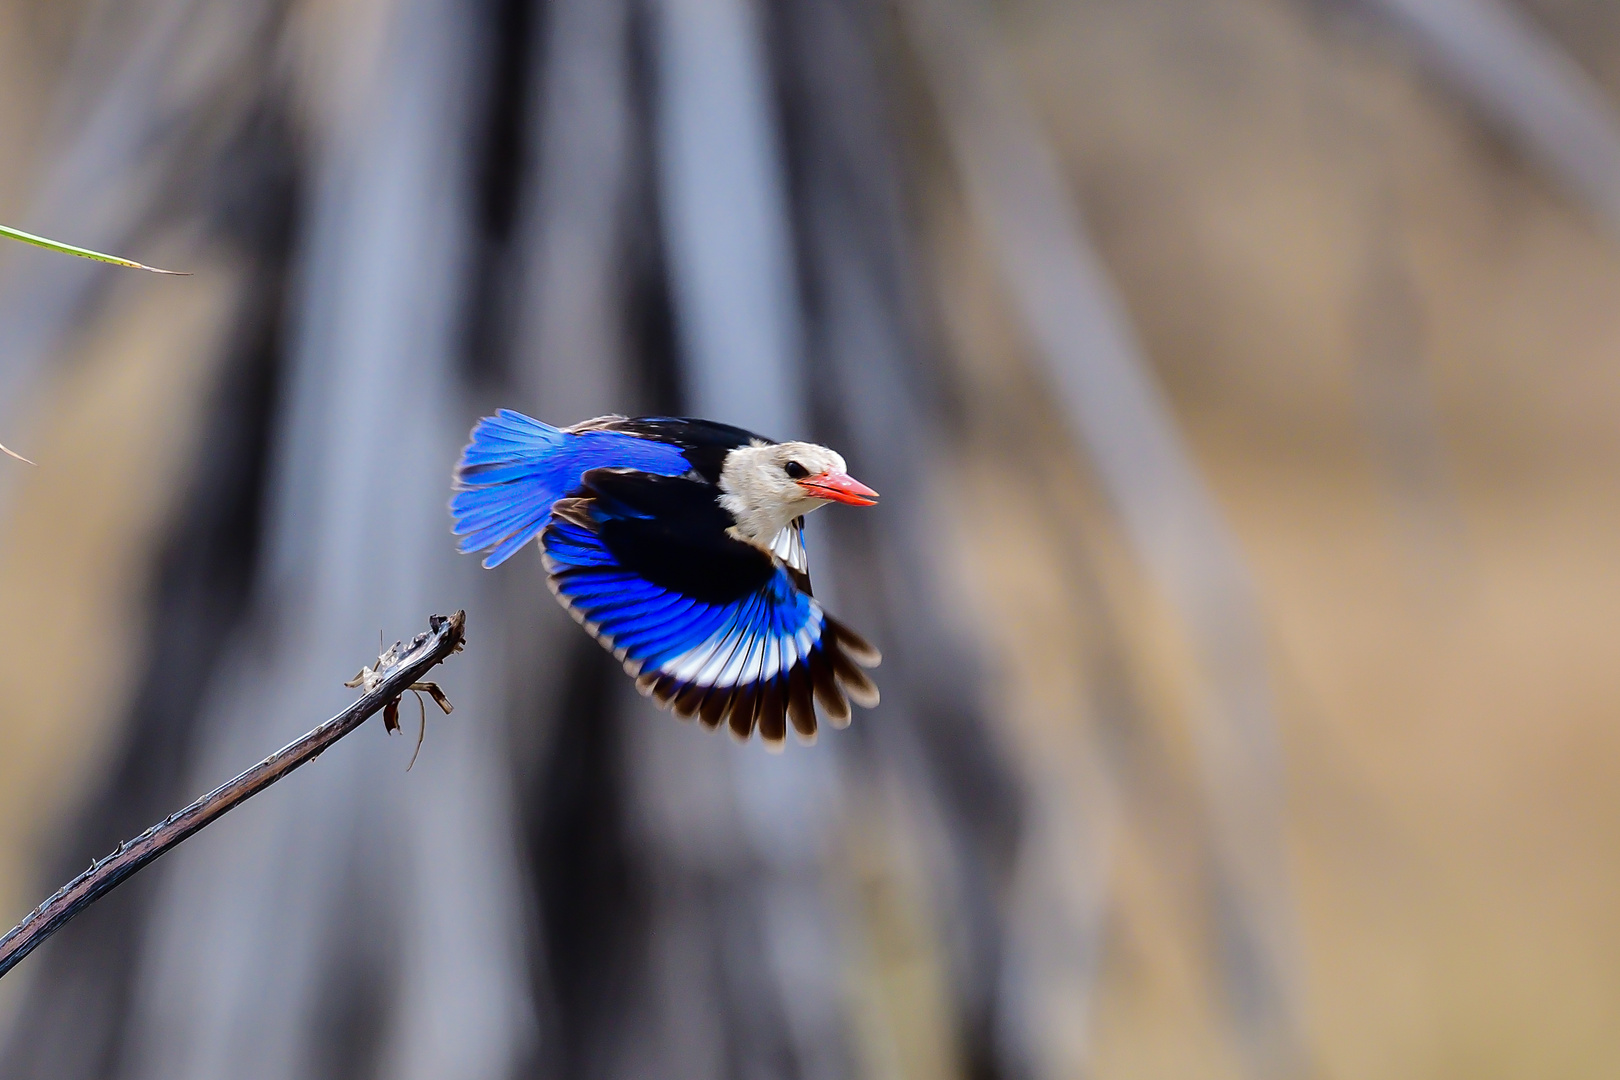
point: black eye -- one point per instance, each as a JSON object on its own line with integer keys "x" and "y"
{"x": 795, "y": 470}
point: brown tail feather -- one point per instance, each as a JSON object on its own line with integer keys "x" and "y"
{"x": 664, "y": 691}
{"x": 801, "y": 704}
{"x": 713, "y": 709}
{"x": 773, "y": 714}
{"x": 828, "y": 695}
{"x": 740, "y": 716}
{"x": 855, "y": 682}
{"x": 688, "y": 700}
{"x": 860, "y": 650}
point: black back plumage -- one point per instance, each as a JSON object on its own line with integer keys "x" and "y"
{"x": 704, "y": 442}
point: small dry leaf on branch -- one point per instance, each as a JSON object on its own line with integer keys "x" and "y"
{"x": 368, "y": 679}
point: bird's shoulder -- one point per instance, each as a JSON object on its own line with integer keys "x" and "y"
{"x": 704, "y": 443}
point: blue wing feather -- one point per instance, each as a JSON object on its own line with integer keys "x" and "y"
{"x": 515, "y": 468}
{"x": 659, "y": 629}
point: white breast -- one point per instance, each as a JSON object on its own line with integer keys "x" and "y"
{"x": 788, "y": 545}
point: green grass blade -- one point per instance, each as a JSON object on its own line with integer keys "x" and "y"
{"x": 83, "y": 253}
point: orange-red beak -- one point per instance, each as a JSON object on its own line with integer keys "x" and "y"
{"x": 839, "y": 487}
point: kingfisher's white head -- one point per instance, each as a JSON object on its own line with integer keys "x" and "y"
{"x": 766, "y": 485}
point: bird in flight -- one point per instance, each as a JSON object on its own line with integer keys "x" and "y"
{"x": 679, "y": 545}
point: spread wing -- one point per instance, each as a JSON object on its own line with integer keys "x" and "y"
{"x": 710, "y": 625}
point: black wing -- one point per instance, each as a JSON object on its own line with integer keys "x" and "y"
{"x": 671, "y": 531}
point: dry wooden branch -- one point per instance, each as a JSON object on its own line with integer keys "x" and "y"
{"x": 396, "y": 671}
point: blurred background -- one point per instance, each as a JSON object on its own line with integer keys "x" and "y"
{"x": 1242, "y": 378}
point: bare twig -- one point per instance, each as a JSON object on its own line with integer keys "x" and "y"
{"x": 397, "y": 670}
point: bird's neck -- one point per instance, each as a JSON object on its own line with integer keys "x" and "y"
{"x": 757, "y": 523}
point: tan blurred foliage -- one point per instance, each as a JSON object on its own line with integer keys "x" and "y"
{"x": 1450, "y": 690}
